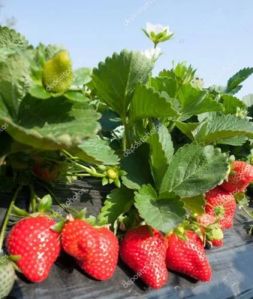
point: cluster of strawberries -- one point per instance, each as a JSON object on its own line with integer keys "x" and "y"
{"x": 143, "y": 249}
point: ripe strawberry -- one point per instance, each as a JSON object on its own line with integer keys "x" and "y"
{"x": 222, "y": 204}
{"x": 210, "y": 229}
{"x": 47, "y": 173}
{"x": 218, "y": 243}
{"x": 37, "y": 245}
{"x": 188, "y": 256}
{"x": 96, "y": 249}
{"x": 72, "y": 235}
{"x": 240, "y": 177}
{"x": 7, "y": 276}
{"x": 144, "y": 252}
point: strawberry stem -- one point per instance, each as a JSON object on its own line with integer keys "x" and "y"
{"x": 7, "y": 216}
{"x": 55, "y": 198}
{"x": 33, "y": 202}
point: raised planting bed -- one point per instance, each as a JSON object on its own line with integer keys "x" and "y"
{"x": 232, "y": 266}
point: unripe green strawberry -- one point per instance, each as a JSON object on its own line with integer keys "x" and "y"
{"x": 144, "y": 250}
{"x": 7, "y": 276}
{"x": 57, "y": 73}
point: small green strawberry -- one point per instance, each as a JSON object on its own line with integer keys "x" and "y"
{"x": 7, "y": 276}
{"x": 57, "y": 74}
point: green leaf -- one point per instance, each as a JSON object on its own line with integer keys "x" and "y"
{"x": 233, "y": 85}
{"x": 186, "y": 128}
{"x": 185, "y": 73}
{"x": 58, "y": 226}
{"x": 19, "y": 212}
{"x": 118, "y": 202}
{"x": 232, "y": 105}
{"x": 116, "y": 79}
{"x": 39, "y": 126}
{"x": 219, "y": 128}
{"x": 191, "y": 171}
{"x": 136, "y": 164}
{"x": 161, "y": 152}
{"x": 194, "y": 204}
{"x": 164, "y": 84}
{"x": 39, "y": 91}
{"x": 95, "y": 150}
{"x": 234, "y": 141}
{"x": 162, "y": 214}
{"x": 9, "y": 38}
{"x": 15, "y": 79}
{"x": 149, "y": 103}
{"x": 76, "y": 96}
{"x": 45, "y": 204}
{"x": 248, "y": 100}
{"x": 82, "y": 76}
{"x": 195, "y": 101}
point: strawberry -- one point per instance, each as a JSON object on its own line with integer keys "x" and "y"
{"x": 72, "y": 234}
{"x": 46, "y": 173}
{"x": 7, "y": 276}
{"x": 37, "y": 245}
{"x": 218, "y": 243}
{"x": 96, "y": 249}
{"x": 144, "y": 250}
{"x": 222, "y": 204}
{"x": 240, "y": 177}
{"x": 210, "y": 229}
{"x": 187, "y": 256}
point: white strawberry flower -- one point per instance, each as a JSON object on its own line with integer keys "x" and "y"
{"x": 157, "y": 33}
{"x": 153, "y": 53}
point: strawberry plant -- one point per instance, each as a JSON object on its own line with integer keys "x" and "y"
{"x": 176, "y": 154}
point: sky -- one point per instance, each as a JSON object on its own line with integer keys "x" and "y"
{"x": 215, "y": 36}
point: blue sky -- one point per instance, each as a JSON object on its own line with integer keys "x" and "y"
{"x": 216, "y": 36}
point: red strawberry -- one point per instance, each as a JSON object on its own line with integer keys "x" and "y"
{"x": 210, "y": 229}
{"x": 222, "y": 204}
{"x": 188, "y": 256}
{"x": 96, "y": 249}
{"x": 144, "y": 251}
{"x": 218, "y": 243}
{"x": 47, "y": 173}
{"x": 72, "y": 233}
{"x": 240, "y": 177}
{"x": 37, "y": 245}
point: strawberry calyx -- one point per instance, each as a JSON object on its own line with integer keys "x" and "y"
{"x": 214, "y": 233}
{"x": 209, "y": 226}
{"x": 219, "y": 211}
{"x": 78, "y": 215}
{"x": 182, "y": 230}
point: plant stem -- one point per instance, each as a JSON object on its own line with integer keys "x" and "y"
{"x": 55, "y": 198}
{"x": 33, "y": 199}
{"x": 7, "y": 216}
